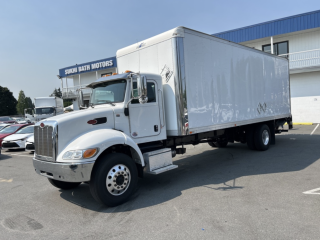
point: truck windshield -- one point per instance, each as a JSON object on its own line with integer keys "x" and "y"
{"x": 109, "y": 92}
{"x": 44, "y": 111}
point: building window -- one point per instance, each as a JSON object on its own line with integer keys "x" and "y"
{"x": 278, "y": 48}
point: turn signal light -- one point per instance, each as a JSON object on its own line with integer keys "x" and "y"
{"x": 89, "y": 153}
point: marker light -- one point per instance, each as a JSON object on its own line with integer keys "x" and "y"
{"x": 114, "y": 73}
{"x": 89, "y": 153}
{"x": 107, "y": 75}
{"x": 127, "y": 71}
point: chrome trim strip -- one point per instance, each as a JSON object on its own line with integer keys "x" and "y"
{"x": 233, "y": 124}
{"x": 68, "y": 172}
{"x": 180, "y": 83}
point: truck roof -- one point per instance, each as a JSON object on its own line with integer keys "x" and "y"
{"x": 178, "y": 32}
{"x": 115, "y": 77}
{"x": 109, "y": 78}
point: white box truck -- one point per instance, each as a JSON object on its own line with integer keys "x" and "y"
{"x": 182, "y": 87}
{"x": 46, "y": 107}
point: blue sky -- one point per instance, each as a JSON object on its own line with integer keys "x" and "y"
{"x": 40, "y": 37}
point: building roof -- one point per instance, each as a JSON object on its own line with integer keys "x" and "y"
{"x": 271, "y": 28}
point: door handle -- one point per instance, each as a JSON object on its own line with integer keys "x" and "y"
{"x": 156, "y": 128}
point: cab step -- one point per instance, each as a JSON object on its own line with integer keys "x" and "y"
{"x": 158, "y": 161}
{"x": 164, "y": 169}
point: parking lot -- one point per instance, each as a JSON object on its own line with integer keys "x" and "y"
{"x": 231, "y": 193}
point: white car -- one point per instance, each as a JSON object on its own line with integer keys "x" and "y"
{"x": 18, "y": 139}
{"x": 3, "y": 125}
{"x": 30, "y": 144}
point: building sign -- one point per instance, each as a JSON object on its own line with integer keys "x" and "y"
{"x": 88, "y": 67}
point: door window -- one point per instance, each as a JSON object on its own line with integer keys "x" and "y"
{"x": 151, "y": 93}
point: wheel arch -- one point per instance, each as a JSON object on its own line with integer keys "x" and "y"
{"x": 108, "y": 141}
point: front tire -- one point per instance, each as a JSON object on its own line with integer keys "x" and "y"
{"x": 262, "y": 137}
{"x": 113, "y": 179}
{"x": 64, "y": 185}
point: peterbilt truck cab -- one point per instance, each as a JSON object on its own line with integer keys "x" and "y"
{"x": 100, "y": 144}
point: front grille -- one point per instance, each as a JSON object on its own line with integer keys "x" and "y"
{"x": 43, "y": 141}
{"x": 10, "y": 145}
{"x": 30, "y": 146}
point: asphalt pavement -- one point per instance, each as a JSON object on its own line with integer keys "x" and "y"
{"x": 231, "y": 193}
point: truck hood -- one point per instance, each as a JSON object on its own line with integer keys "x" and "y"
{"x": 73, "y": 125}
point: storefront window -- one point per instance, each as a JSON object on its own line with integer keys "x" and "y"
{"x": 278, "y": 48}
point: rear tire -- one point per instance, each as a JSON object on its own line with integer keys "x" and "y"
{"x": 262, "y": 137}
{"x": 64, "y": 185}
{"x": 113, "y": 179}
{"x": 212, "y": 144}
{"x": 221, "y": 143}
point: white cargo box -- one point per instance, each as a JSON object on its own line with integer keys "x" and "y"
{"x": 210, "y": 83}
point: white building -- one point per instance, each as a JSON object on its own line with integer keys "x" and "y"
{"x": 83, "y": 74}
{"x": 298, "y": 38}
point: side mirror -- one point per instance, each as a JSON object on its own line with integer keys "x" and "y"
{"x": 80, "y": 98}
{"x": 142, "y": 89}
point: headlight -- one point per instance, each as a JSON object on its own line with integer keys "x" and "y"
{"x": 80, "y": 154}
{"x": 22, "y": 139}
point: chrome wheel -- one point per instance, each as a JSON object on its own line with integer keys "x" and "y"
{"x": 265, "y": 137}
{"x": 118, "y": 179}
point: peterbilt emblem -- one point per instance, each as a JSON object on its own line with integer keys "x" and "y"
{"x": 42, "y": 125}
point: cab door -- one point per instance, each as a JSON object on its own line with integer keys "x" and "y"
{"x": 145, "y": 118}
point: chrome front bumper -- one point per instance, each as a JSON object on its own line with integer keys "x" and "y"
{"x": 67, "y": 172}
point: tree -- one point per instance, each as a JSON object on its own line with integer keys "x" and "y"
{"x": 21, "y": 103}
{"x": 59, "y": 93}
{"x": 7, "y": 102}
{"x": 29, "y": 103}
{"x": 67, "y": 102}
{"x": 56, "y": 93}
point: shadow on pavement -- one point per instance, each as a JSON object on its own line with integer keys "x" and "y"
{"x": 4, "y": 157}
{"x": 292, "y": 152}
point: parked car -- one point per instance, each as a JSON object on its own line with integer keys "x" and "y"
{"x": 5, "y": 119}
{"x": 24, "y": 121}
{"x": 3, "y": 125}
{"x": 18, "y": 139}
{"x": 30, "y": 144}
{"x": 10, "y": 130}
